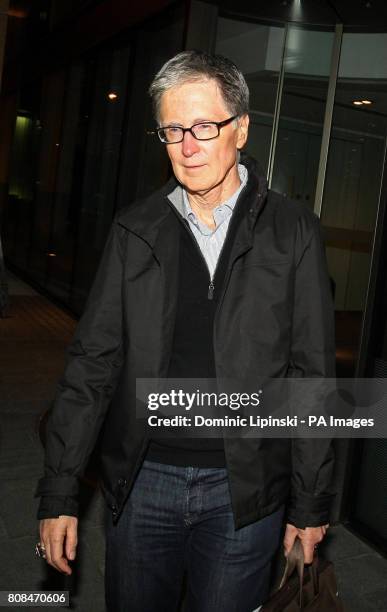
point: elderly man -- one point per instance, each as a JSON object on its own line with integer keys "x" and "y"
{"x": 211, "y": 276}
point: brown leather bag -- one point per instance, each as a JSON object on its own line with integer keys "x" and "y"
{"x": 311, "y": 588}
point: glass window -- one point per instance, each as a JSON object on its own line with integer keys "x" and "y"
{"x": 51, "y": 108}
{"x": 307, "y": 62}
{"x": 23, "y": 176}
{"x": 66, "y": 200}
{"x": 257, "y": 50}
{"x": 80, "y": 151}
{"x": 353, "y": 180}
{"x": 93, "y": 151}
{"x": 144, "y": 165}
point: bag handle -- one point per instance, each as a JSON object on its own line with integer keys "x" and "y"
{"x": 295, "y": 561}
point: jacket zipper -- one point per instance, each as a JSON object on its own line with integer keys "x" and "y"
{"x": 211, "y": 289}
{"x": 211, "y": 285}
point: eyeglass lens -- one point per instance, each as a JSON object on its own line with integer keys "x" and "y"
{"x": 201, "y": 131}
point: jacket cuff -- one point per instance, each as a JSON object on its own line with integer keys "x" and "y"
{"x": 58, "y": 486}
{"x": 55, "y": 506}
{"x": 306, "y": 510}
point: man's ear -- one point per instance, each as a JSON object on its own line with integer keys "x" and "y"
{"x": 243, "y": 130}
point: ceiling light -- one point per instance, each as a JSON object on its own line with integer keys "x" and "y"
{"x": 112, "y": 95}
{"x": 357, "y": 103}
{"x": 367, "y": 101}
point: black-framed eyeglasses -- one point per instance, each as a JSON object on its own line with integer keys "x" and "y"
{"x": 205, "y": 130}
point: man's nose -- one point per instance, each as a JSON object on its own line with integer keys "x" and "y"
{"x": 189, "y": 144}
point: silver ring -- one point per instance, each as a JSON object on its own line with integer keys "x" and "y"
{"x": 40, "y": 551}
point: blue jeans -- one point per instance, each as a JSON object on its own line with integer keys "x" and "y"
{"x": 177, "y": 521}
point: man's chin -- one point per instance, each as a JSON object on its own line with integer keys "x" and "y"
{"x": 195, "y": 184}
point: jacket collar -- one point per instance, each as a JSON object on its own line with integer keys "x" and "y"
{"x": 147, "y": 216}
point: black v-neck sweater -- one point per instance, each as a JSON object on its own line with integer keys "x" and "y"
{"x": 192, "y": 353}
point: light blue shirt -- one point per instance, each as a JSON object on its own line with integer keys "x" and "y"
{"x": 211, "y": 241}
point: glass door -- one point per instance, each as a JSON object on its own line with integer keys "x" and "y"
{"x": 257, "y": 49}
{"x": 353, "y": 182}
{"x": 306, "y": 71}
{"x": 352, "y": 216}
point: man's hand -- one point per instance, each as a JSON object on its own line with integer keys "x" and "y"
{"x": 310, "y": 537}
{"x": 59, "y": 536}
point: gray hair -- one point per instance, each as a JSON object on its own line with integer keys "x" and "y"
{"x": 195, "y": 66}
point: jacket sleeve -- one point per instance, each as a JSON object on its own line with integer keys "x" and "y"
{"x": 94, "y": 359}
{"x": 312, "y": 356}
{"x": 52, "y": 506}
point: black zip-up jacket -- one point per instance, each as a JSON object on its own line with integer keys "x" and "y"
{"x": 274, "y": 319}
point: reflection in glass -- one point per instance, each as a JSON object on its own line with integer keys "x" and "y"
{"x": 20, "y": 210}
{"x": 97, "y": 164}
{"x": 307, "y": 63}
{"x": 53, "y": 88}
{"x": 66, "y": 198}
{"x": 352, "y": 185}
{"x": 257, "y": 50}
